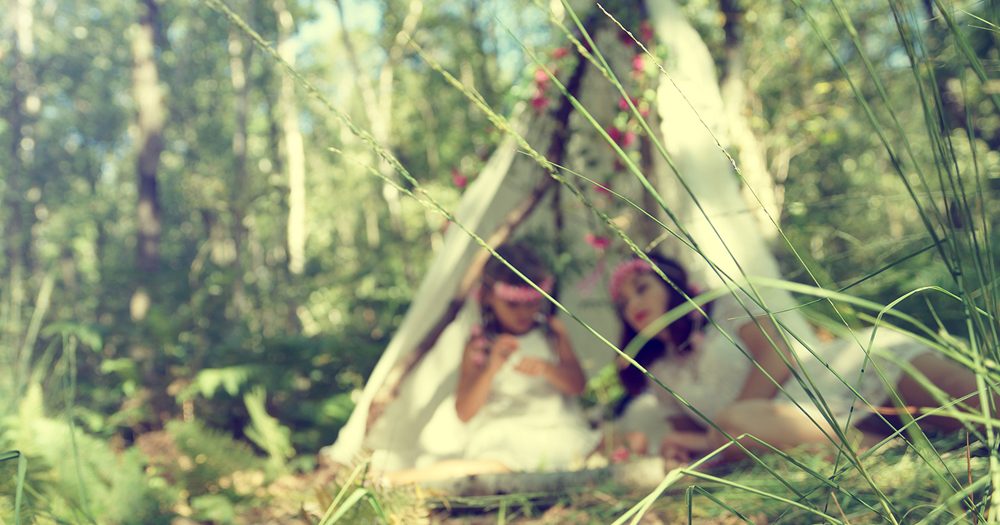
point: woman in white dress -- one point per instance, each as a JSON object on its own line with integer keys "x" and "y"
{"x": 716, "y": 377}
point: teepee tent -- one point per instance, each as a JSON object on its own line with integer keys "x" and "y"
{"x": 405, "y": 414}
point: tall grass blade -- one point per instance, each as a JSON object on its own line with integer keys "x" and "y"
{"x": 22, "y": 472}
{"x": 334, "y": 513}
{"x": 715, "y": 499}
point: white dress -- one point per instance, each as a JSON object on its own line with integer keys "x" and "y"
{"x": 526, "y": 423}
{"x": 711, "y": 377}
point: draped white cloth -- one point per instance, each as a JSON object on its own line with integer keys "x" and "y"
{"x": 421, "y": 426}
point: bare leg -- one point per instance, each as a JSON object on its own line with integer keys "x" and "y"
{"x": 451, "y": 468}
{"x": 780, "y": 425}
{"x": 956, "y": 381}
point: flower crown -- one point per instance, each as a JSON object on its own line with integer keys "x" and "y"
{"x": 622, "y": 272}
{"x": 517, "y": 293}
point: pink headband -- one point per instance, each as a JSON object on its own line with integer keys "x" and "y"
{"x": 521, "y": 293}
{"x": 622, "y": 272}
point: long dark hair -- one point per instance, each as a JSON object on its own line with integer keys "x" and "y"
{"x": 680, "y": 330}
{"x": 520, "y": 256}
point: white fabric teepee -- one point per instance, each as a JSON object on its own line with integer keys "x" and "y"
{"x": 419, "y": 425}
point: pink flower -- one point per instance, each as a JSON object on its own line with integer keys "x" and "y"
{"x": 539, "y": 102}
{"x": 459, "y": 179}
{"x": 604, "y": 188}
{"x": 541, "y": 78}
{"x": 615, "y": 134}
{"x": 638, "y": 64}
{"x": 598, "y": 242}
{"x": 622, "y": 138}
{"x": 623, "y": 104}
{"x": 559, "y": 52}
{"x": 646, "y": 30}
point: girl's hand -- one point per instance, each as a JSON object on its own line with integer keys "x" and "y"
{"x": 533, "y": 366}
{"x": 558, "y": 327}
{"x": 502, "y": 348}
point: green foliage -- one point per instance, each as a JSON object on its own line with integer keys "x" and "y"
{"x": 311, "y": 379}
{"x": 266, "y": 432}
{"x": 74, "y": 476}
{"x": 206, "y": 458}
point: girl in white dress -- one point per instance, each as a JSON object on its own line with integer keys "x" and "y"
{"x": 519, "y": 375}
{"x": 692, "y": 357}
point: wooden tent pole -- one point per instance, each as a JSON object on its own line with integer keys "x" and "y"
{"x": 556, "y": 155}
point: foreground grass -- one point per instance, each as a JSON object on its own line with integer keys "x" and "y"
{"x": 329, "y": 495}
{"x": 843, "y": 495}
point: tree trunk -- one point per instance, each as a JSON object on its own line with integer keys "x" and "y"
{"x": 22, "y": 103}
{"x": 150, "y": 112}
{"x": 947, "y": 81}
{"x": 239, "y": 60}
{"x": 149, "y": 135}
{"x": 378, "y": 104}
{"x": 295, "y": 159}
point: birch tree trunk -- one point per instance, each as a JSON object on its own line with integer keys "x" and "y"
{"x": 22, "y": 102}
{"x": 149, "y": 139}
{"x": 382, "y": 120}
{"x": 149, "y": 122}
{"x": 239, "y": 59}
{"x": 295, "y": 159}
{"x": 378, "y": 106}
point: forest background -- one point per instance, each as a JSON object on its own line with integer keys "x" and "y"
{"x": 197, "y": 255}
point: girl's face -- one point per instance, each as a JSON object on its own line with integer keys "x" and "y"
{"x": 643, "y": 299}
{"x": 515, "y": 317}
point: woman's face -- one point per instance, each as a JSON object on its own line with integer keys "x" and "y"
{"x": 643, "y": 299}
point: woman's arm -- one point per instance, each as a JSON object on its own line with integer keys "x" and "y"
{"x": 684, "y": 423}
{"x": 757, "y": 385}
{"x": 566, "y": 374}
{"x": 475, "y": 377}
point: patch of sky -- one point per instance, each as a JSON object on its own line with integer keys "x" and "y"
{"x": 362, "y": 15}
{"x": 530, "y": 26}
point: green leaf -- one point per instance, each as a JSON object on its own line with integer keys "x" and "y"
{"x": 86, "y": 334}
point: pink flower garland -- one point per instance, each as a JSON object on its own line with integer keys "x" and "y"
{"x": 622, "y": 272}
{"x": 520, "y": 293}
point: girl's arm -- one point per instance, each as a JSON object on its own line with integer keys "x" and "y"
{"x": 476, "y": 374}
{"x": 757, "y": 385}
{"x": 566, "y": 374}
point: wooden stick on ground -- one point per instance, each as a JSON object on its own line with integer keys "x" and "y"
{"x": 642, "y": 473}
